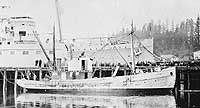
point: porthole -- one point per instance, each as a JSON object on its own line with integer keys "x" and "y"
{"x": 12, "y": 52}
{"x": 25, "y": 52}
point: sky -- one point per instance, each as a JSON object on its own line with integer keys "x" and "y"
{"x": 91, "y": 18}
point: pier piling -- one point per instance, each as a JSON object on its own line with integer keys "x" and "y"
{"x": 100, "y": 73}
{"x": 4, "y": 87}
{"x": 15, "y": 85}
{"x": 40, "y": 74}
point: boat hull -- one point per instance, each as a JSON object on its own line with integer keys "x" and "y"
{"x": 161, "y": 82}
{"x": 107, "y": 92}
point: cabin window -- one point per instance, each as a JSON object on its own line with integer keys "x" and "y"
{"x": 0, "y": 43}
{"x": 8, "y": 43}
{"x": 22, "y": 33}
{"x": 50, "y": 52}
{"x": 12, "y": 33}
{"x": 12, "y": 28}
{"x": 38, "y": 52}
{"x": 6, "y": 29}
{"x": 12, "y": 52}
{"x": 58, "y": 61}
{"x": 25, "y": 52}
{"x": 83, "y": 64}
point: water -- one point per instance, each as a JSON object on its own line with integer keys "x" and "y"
{"x": 37, "y": 100}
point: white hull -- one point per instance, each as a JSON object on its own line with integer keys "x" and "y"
{"x": 164, "y": 79}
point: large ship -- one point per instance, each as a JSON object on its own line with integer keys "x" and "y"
{"x": 19, "y": 46}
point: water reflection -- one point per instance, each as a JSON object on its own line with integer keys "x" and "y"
{"x": 75, "y": 101}
{"x": 7, "y": 99}
{"x": 188, "y": 100}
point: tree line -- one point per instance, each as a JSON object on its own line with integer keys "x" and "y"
{"x": 180, "y": 39}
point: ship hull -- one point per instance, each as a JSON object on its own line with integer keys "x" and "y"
{"x": 107, "y": 92}
{"x": 161, "y": 82}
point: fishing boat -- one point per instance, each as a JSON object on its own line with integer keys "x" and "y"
{"x": 79, "y": 77}
{"x": 155, "y": 82}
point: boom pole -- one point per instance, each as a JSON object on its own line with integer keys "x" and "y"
{"x": 54, "y": 49}
{"x": 44, "y": 51}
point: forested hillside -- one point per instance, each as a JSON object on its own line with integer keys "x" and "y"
{"x": 177, "y": 39}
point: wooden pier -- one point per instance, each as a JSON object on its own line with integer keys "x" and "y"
{"x": 10, "y": 74}
{"x": 187, "y": 80}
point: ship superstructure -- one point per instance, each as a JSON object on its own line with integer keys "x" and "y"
{"x": 19, "y": 47}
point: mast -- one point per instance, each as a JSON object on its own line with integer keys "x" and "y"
{"x": 132, "y": 49}
{"x": 58, "y": 18}
{"x": 54, "y": 50}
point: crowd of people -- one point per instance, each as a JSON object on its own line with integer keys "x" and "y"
{"x": 148, "y": 63}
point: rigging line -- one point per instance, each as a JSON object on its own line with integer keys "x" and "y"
{"x": 147, "y": 48}
{"x": 107, "y": 44}
{"x": 99, "y": 49}
{"x": 112, "y": 57}
{"x": 121, "y": 56}
{"x": 121, "y": 37}
{"x": 22, "y": 74}
{"x": 102, "y": 54}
